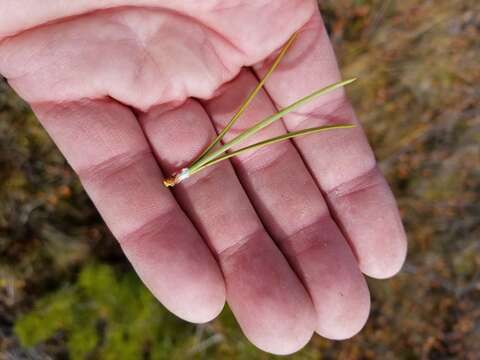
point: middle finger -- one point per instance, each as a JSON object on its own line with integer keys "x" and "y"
{"x": 267, "y": 298}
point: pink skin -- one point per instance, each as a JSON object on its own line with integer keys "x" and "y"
{"x": 132, "y": 90}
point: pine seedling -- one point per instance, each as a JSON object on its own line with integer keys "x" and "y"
{"x": 214, "y": 154}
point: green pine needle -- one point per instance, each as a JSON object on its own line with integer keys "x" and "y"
{"x": 211, "y": 156}
{"x": 197, "y": 166}
{"x": 277, "y": 139}
{"x": 250, "y": 97}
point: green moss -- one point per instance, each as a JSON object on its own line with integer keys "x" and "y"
{"x": 51, "y": 314}
{"x": 104, "y": 315}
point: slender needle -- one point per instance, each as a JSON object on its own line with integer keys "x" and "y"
{"x": 250, "y": 97}
{"x": 277, "y": 139}
{"x": 264, "y": 123}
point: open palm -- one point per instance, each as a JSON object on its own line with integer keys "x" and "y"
{"x": 132, "y": 91}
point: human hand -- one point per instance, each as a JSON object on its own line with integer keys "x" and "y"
{"x": 131, "y": 90}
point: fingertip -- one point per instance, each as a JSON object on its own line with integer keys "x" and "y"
{"x": 388, "y": 264}
{"x": 205, "y": 305}
{"x": 368, "y": 214}
{"x": 287, "y": 337}
{"x": 270, "y": 304}
{"x": 348, "y": 321}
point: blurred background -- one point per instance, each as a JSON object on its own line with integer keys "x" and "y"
{"x": 418, "y": 97}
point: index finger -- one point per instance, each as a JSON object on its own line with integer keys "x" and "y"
{"x": 105, "y": 145}
{"x": 342, "y": 162}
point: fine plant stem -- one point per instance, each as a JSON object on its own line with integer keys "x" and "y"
{"x": 198, "y": 165}
{"x": 277, "y": 139}
{"x": 249, "y": 99}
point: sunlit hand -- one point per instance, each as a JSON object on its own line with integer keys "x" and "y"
{"x": 131, "y": 91}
